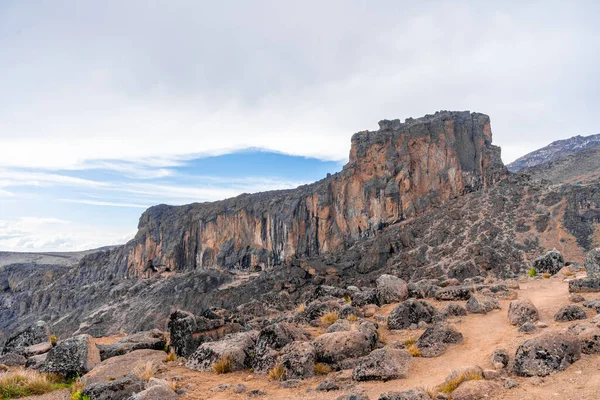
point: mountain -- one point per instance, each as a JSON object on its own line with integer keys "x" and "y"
{"x": 425, "y": 199}
{"x": 576, "y": 168}
{"x": 554, "y": 150}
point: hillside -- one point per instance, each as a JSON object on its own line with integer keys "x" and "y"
{"x": 575, "y": 168}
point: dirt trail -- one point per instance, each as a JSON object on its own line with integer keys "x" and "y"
{"x": 482, "y": 334}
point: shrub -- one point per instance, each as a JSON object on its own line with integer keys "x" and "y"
{"x": 301, "y": 308}
{"x": 532, "y": 272}
{"x": 352, "y": 318}
{"x": 410, "y": 341}
{"x": 329, "y": 318}
{"x": 23, "y": 383}
{"x": 223, "y": 366}
{"x": 144, "y": 371}
{"x": 347, "y": 299}
{"x": 277, "y": 373}
{"x": 322, "y": 369}
{"x": 171, "y": 356}
{"x": 79, "y": 396}
{"x": 451, "y": 385}
{"x": 546, "y": 275}
{"x": 413, "y": 350}
{"x": 53, "y": 340}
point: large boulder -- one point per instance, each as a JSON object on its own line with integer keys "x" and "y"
{"x": 118, "y": 389}
{"x": 547, "y": 353}
{"x": 592, "y": 263}
{"x": 435, "y": 340}
{"x": 570, "y": 313}
{"x": 338, "y": 346}
{"x": 182, "y": 326}
{"x": 482, "y": 304}
{"x": 34, "y": 334}
{"x": 120, "y": 366}
{"x": 74, "y": 356}
{"x": 587, "y": 285}
{"x": 521, "y": 311}
{"x": 13, "y": 360}
{"x": 411, "y": 312}
{"x": 270, "y": 340}
{"x": 454, "y": 293}
{"x": 412, "y": 394}
{"x": 298, "y": 360}
{"x": 35, "y": 349}
{"x": 154, "y": 340}
{"x": 36, "y": 362}
{"x": 551, "y": 262}
{"x": 364, "y": 297}
{"x": 391, "y": 289}
{"x": 237, "y": 346}
{"x": 590, "y": 340}
{"x": 475, "y": 390}
{"x": 383, "y": 364}
{"x": 157, "y": 392}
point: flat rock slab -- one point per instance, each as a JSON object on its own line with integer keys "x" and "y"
{"x": 120, "y": 366}
{"x": 584, "y": 285}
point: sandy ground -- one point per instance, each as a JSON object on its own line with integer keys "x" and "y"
{"x": 482, "y": 334}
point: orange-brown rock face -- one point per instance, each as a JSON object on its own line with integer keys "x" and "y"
{"x": 397, "y": 172}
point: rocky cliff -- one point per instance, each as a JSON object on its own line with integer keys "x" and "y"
{"x": 394, "y": 173}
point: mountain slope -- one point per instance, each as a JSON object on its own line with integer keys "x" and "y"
{"x": 578, "y": 167}
{"x": 554, "y": 150}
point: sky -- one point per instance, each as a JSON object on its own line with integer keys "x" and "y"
{"x": 108, "y": 107}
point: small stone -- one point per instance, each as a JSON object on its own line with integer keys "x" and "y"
{"x": 221, "y": 387}
{"x": 239, "y": 388}
{"x": 256, "y": 393}
{"x": 500, "y": 358}
{"x": 570, "y": 313}
{"x": 576, "y": 298}
{"x": 327, "y": 385}
{"x": 491, "y": 374}
{"x": 510, "y": 383}
{"x": 528, "y": 328}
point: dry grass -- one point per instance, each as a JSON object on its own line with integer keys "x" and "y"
{"x": 23, "y": 383}
{"x": 352, "y": 318}
{"x": 546, "y": 275}
{"x": 413, "y": 350}
{"x": 223, "y": 366}
{"x": 301, "y": 308}
{"x": 145, "y": 371}
{"x": 329, "y": 318}
{"x": 382, "y": 336}
{"x": 452, "y": 384}
{"x": 322, "y": 369}
{"x": 173, "y": 384}
{"x": 277, "y": 373}
{"x": 171, "y": 356}
{"x": 53, "y": 340}
{"x": 77, "y": 386}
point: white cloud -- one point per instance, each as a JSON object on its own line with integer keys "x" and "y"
{"x": 103, "y": 203}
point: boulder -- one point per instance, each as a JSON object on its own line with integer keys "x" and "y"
{"x": 500, "y": 358}
{"x": 182, "y": 326}
{"x": 434, "y": 341}
{"x": 119, "y": 389}
{"x": 339, "y": 326}
{"x": 338, "y": 346}
{"x": 547, "y": 353}
{"x": 154, "y": 340}
{"x": 592, "y": 263}
{"x": 570, "y": 313}
{"x": 158, "y": 392}
{"x": 298, "y": 360}
{"x": 454, "y": 293}
{"x": 120, "y": 366}
{"x": 349, "y": 310}
{"x": 391, "y": 289}
{"x": 410, "y": 312}
{"x": 593, "y": 304}
{"x": 383, "y": 364}
{"x": 473, "y": 370}
{"x": 454, "y": 310}
{"x": 521, "y": 311}
{"x": 475, "y": 390}
{"x": 527, "y": 327}
{"x": 412, "y": 394}
{"x": 36, "y": 362}
{"x": 271, "y": 339}
{"x": 315, "y": 309}
{"x": 584, "y": 285}
{"x": 425, "y": 288}
{"x": 237, "y": 346}
{"x": 589, "y": 335}
{"x": 551, "y": 262}
{"x": 481, "y": 304}
{"x": 13, "y": 360}
{"x": 35, "y": 349}
{"x": 364, "y": 297}
{"x": 74, "y": 356}
{"x": 34, "y": 334}
{"x": 327, "y": 385}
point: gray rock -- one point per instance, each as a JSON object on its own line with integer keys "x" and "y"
{"x": 352, "y": 396}
{"x": 435, "y": 340}
{"x": 74, "y": 356}
{"x": 412, "y": 394}
{"x": 547, "y": 353}
{"x": 270, "y": 340}
{"x": 391, "y": 289}
{"x": 338, "y": 346}
{"x": 475, "y": 390}
{"x": 153, "y": 340}
{"x": 410, "y": 312}
{"x": 32, "y": 335}
{"x": 454, "y": 293}
{"x": 592, "y": 263}
{"x": 522, "y": 311}
{"x": 340, "y": 325}
{"x": 119, "y": 389}
{"x": 584, "y": 285}
{"x": 454, "y": 310}
{"x": 593, "y": 304}
{"x": 298, "y": 360}
{"x": 327, "y": 385}
{"x": 527, "y": 327}
{"x": 510, "y": 383}
{"x": 256, "y": 393}
{"x": 500, "y": 358}
{"x": 383, "y": 364}
{"x": 182, "y": 326}
{"x": 551, "y": 262}
{"x": 240, "y": 388}
{"x": 36, "y": 362}
{"x": 158, "y": 392}
{"x": 481, "y": 304}
{"x": 13, "y": 360}
{"x": 576, "y": 298}
{"x": 364, "y": 297}
{"x": 570, "y": 313}
{"x": 589, "y": 336}
{"x": 237, "y": 346}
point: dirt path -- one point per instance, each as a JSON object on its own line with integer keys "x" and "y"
{"x": 482, "y": 334}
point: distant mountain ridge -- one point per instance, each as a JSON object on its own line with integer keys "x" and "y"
{"x": 554, "y": 150}
{"x": 576, "y": 168}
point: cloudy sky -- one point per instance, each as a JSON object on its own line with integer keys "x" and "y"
{"x": 108, "y": 107}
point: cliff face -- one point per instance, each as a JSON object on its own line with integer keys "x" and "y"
{"x": 397, "y": 172}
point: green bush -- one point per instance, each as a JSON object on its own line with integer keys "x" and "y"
{"x": 532, "y": 272}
